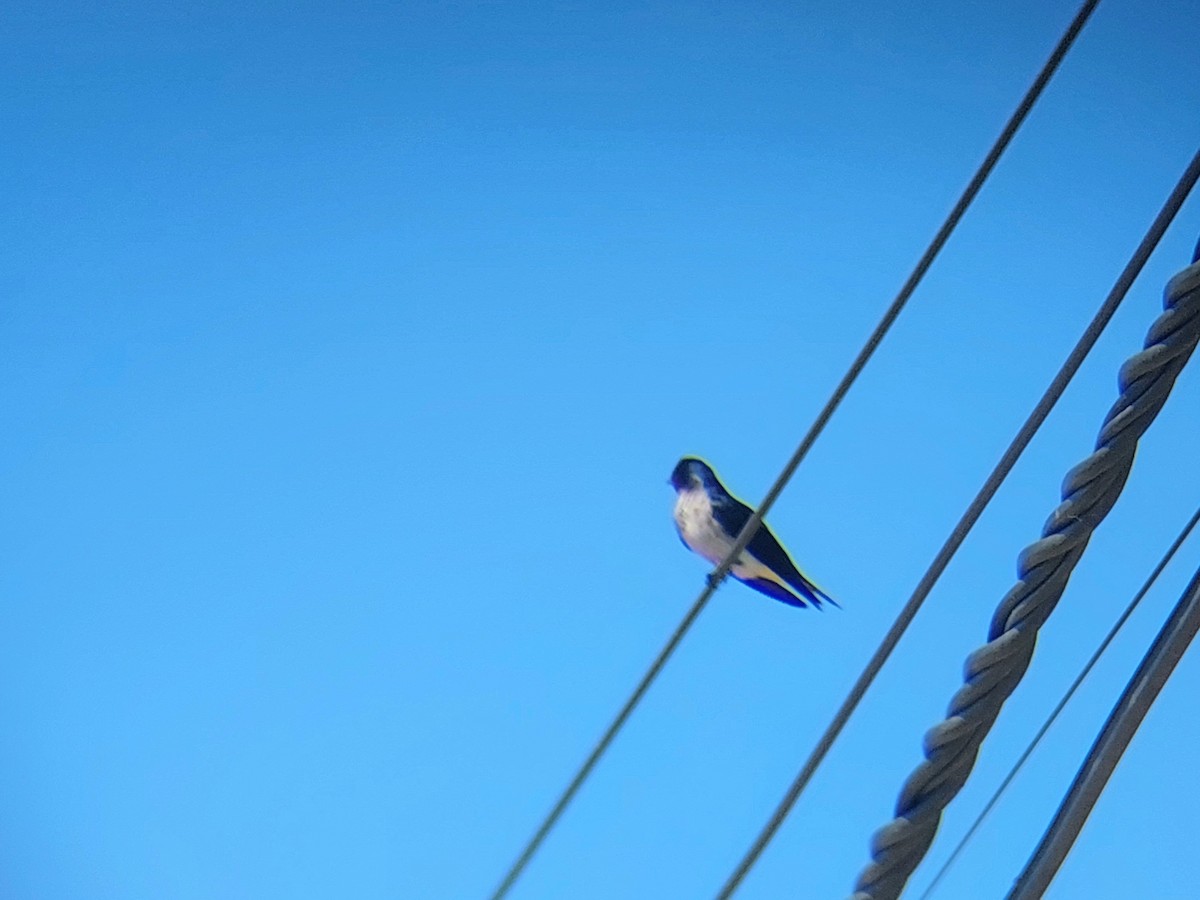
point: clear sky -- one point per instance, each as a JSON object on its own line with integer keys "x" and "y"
{"x": 344, "y": 354}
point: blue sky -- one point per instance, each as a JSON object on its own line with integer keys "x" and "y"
{"x": 345, "y": 352}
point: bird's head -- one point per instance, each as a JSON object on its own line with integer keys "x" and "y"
{"x": 691, "y": 473}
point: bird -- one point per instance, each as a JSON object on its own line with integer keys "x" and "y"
{"x": 709, "y": 520}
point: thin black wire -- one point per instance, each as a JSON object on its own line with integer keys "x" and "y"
{"x": 864, "y": 355}
{"x": 1079, "y": 679}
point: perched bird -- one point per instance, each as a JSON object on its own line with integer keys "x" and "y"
{"x": 709, "y": 519}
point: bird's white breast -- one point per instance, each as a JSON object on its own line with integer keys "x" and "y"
{"x": 704, "y": 536}
{"x": 698, "y": 528}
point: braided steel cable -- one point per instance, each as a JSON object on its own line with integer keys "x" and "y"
{"x": 992, "y": 672}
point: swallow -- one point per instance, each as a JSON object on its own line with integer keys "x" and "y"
{"x": 709, "y": 519}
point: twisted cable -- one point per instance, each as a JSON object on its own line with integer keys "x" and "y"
{"x": 992, "y": 672}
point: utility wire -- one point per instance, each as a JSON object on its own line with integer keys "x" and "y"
{"x": 864, "y": 355}
{"x": 1156, "y": 667}
{"x": 1066, "y": 698}
{"x": 1089, "y": 492}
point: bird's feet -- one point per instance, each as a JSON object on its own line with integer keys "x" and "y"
{"x": 713, "y": 581}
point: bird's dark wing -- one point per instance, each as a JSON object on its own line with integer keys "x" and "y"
{"x": 773, "y": 590}
{"x": 732, "y": 515}
{"x": 765, "y": 547}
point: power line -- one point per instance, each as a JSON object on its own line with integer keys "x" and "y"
{"x": 966, "y": 523}
{"x": 1156, "y": 667}
{"x": 1090, "y": 491}
{"x": 1066, "y": 698}
{"x": 860, "y": 361}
